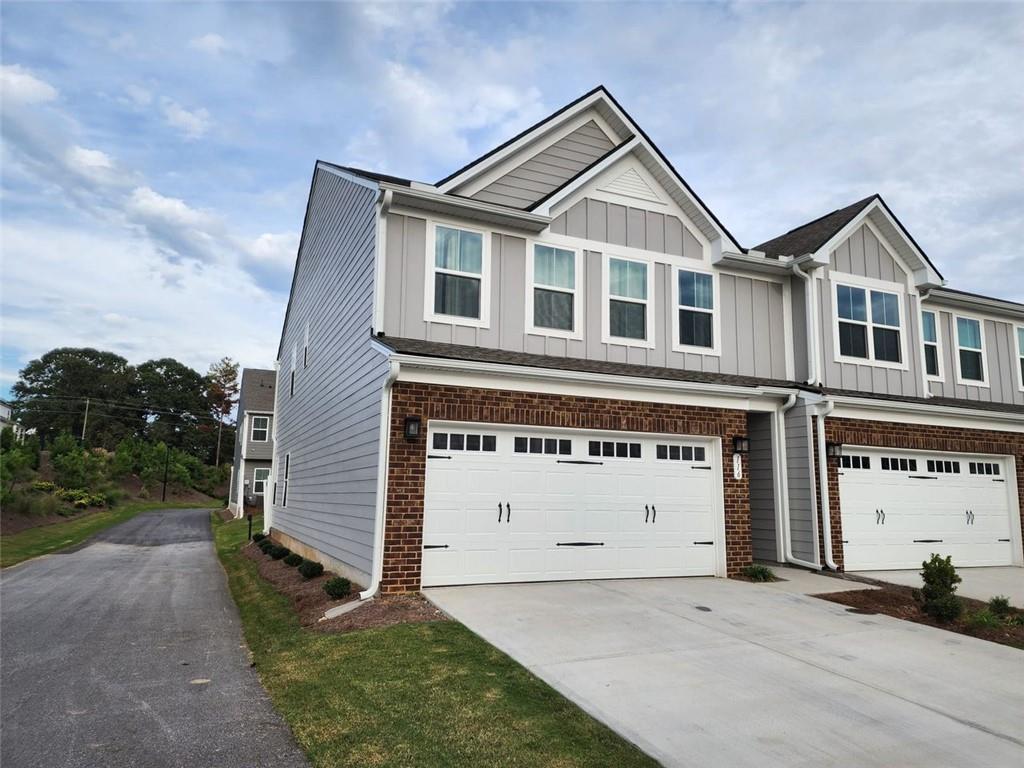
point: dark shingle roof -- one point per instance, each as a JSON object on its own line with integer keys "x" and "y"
{"x": 257, "y": 393}
{"x": 811, "y": 236}
{"x": 948, "y": 402}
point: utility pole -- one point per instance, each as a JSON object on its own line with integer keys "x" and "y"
{"x": 220, "y": 426}
{"x": 85, "y": 420}
{"x": 167, "y": 461}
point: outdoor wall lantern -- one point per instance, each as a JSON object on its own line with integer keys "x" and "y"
{"x": 740, "y": 444}
{"x": 833, "y": 450}
{"x": 412, "y": 428}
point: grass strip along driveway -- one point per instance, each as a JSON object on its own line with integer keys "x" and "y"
{"x": 429, "y": 694}
{"x": 45, "y": 539}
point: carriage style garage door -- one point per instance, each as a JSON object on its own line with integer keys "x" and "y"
{"x": 506, "y": 504}
{"x": 898, "y": 507}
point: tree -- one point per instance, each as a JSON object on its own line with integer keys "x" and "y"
{"x": 174, "y": 397}
{"x": 222, "y": 393}
{"x": 52, "y": 391}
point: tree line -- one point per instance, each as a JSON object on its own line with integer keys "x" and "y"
{"x": 102, "y": 400}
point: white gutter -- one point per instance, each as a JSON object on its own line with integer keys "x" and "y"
{"x": 927, "y": 408}
{"x": 781, "y": 472}
{"x": 826, "y": 521}
{"x": 811, "y": 333}
{"x": 383, "y": 443}
{"x": 477, "y": 209}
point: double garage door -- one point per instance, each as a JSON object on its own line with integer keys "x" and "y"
{"x": 899, "y": 507}
{"x": 521, "y": 504}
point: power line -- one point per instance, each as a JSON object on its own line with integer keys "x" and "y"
{"x": 113, "y": 404}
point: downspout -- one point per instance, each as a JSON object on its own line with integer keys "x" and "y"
{"x": 783, "y": 475}
{"x": 384, "y": 443}
{"x": 826, "y": 520}
{"x": 811, "y": 333}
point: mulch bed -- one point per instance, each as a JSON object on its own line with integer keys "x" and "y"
{"x": 310, "y": 601}
{"x": 898, "y": 601}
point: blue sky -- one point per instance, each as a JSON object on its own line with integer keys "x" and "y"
{"x": 156, "y": 157}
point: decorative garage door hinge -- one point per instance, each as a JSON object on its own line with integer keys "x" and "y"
{"x": 435, "y": 546}
{"x": 580, "y": 544}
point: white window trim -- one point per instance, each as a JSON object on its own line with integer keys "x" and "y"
{"x": 1017, "y": 331}
{"x": 984, "y": 352}
{"x": 868, "y": 284}
{"x": 577, "y": 294}
{"x": 606, "y": 336}
{"x": 941, "y": 375}
{"x": 252, "y": 428}
{"x": 256, "y": 481}
{"x": 716, "y": 313}
{"x": 484, "y": 321}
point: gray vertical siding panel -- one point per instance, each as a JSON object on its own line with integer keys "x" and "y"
{"x": 762, "y": 487}
{"x": 802, "y": 525}
{"x": 330, "y": 427}
{"x": 798, "y": 312}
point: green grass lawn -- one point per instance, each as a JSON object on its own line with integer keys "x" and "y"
{"x": 409, "y": 695}
{"x": 52, "y": 538}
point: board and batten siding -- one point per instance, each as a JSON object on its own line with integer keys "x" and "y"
{"x": 762, "y": 487}
{"x": 862, "y": 254}
{"x": 330, "y": 427}
{"x": 803, "y": 529}
{"x": 1001, "y": 357}
{"x": 549, "y": 169}
{"x": 752, "y": 313}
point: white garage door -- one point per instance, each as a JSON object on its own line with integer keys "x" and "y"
{"x": 899, "y": 507}
{"x": 505, "y": 505}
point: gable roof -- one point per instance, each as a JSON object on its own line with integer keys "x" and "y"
{"x": 809, "y": 237}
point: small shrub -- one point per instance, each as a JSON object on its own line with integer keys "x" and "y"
{"x": 999, "y": 605}
{"x": 293, "y": 559}
{"x": 759, "y": 573}
{"x": 280, "y": 553}
{"x": 310, "y": 569}
{"x": 984, "y": 619}
{"x": 258, "y": 537}
{"x": 337, "y": 587}
{"x": 945, "y": 608}
{"x": 44, "y": 486}
{"x": 938, "y": 595}
{"x": 266, "y": 545}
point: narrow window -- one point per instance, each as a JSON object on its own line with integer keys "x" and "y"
{"x": 284, "y": 485}
{"x": 291, "y": 378}
{"x": 970, "y": 349}
{"x": 1020, "y": 355}
{"x": 305, "y": 348}
{"x": 696, "y": 309}
{"x": 259, "y": 480}
{"x": 853, "y": 321}
{"x": 458, "y": 272}
{"x": 627, "y": 299}
{"x": 885, "y": 331}
{"x": 554, "y": 288}
{"x": 260, "y": 429}
{"x": 930, "y": 334}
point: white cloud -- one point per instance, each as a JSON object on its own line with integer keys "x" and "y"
{"x": 276, "y": 250}
{"x": 183, "y": 231}
{"x": 138, "y": 95}
{"x": 192, "y": 124}
{"x": 91, "y": 163}
{"x": 211, "y": 43}
{"x": 19, "y": 85}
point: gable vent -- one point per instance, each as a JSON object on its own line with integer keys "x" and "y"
{"x": 632, "y": 184}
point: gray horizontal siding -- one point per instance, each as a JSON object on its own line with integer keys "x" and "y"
{"x": 1003, "y": 362}
{"x": 330, "y": 428}
{"x": 259, "y": 450}
{"x": 803, "y": 528}
{"x": 549, "y": 169}
{"x": 762, "y": 487}
{"x": 250, "y": 474}
{"x": 752, "y": 312}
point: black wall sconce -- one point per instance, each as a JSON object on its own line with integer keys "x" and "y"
{"x": 740, "y": 444}
{"x": 412, "y": 428}
{"x": 833, "y": 450}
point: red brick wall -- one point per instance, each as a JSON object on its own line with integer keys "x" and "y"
{"x": 403, "y": 533}
{"x": 919, "y": 437}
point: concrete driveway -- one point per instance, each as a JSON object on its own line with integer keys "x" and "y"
{"x": 979, "y": 583}
{"x": 129, "y": 652}
{"x": 709, "y": 672}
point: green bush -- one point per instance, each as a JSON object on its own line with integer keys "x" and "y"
{"x": 80, "y": 498}
{"x": 759, "y": 573}
{"x": 266, "y": 545}
{"x": 337, "y": 587}
{"x": 984, "y": 619}
{"x": 999, "y": 605}
{"x": 293, "y": 559}
{"x": 280, "y": 553}
{"x": 310, "y": 569}
{"x": 938, "y": 595}
{"x": 258, "y": 537}
{"x": 44, "y": 486}
{"x": 19, "y": 503}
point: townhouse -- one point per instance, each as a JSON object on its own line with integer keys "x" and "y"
{"x": 254, "y": 446}
{"x": 557, "y": 363}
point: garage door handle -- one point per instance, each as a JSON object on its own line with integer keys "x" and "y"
{"x": 580, "y": 544}
{"x": 437, "y": 456}
{"x": 435, "y": 546}
{"x": 927, "y": 541}
{"x": 883, "y": 517}
{"x": 508, "y": 512}
{"x": 998, "y": 480}
{"x": 1002, "y": 539}
{"x": 499, "y": 511}
{"x": 654, "y": 516}
{"x": 647, "y": 513}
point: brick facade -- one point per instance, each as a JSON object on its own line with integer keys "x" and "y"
{"x": 403, "y": 533}
{"x": 919, "y": 437}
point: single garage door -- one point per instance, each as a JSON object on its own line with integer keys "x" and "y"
{"x": 512, "y": 504}
{"x": 899, "y": 507}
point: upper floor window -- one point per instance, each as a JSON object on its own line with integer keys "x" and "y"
{"x": 459, "y": 273}
{"x": 930, "y": 336}
{"x": 260, "y": 475}
{"x": 869, "y": 332}
{"x": 1020, "y": 356}
{"x": 260, "y": 429}
{"x": 970, "y": 350}
{"x": 628, "y": 302}
{"x": 554, "y": 289}
{"x": 695, "y": 311}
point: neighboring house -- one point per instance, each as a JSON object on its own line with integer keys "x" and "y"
{"x": 254, "y": 443}
{"x": 557, "y": 363}
{"x": 7, "y": 420}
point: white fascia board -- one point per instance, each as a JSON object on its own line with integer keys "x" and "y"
{"x": 1010, "y": 310}
{"x": 476, "y": 210}
{"x": 747, "y": 262}
{"x": 347, "y": 175}
{"x": 501, "y": 375}
{"x": 924, "y": 413}
{"x": 585, "y": 178}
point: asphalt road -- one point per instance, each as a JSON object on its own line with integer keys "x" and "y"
{"x": 129, "y": 652}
